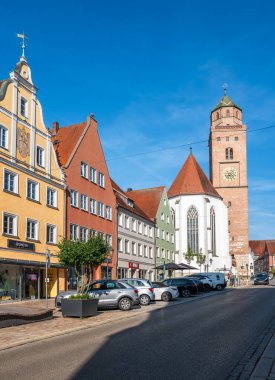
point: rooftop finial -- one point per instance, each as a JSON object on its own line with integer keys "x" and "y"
{"x": 225, "y": 87}
{"x": 190, "y": 149}
{"x": 23, "y": 43}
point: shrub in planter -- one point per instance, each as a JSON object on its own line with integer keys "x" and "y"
{"x": 79, "y": 305}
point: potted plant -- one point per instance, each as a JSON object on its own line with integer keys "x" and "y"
{"x": 79, "y": 254}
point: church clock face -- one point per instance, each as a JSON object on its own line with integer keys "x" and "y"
{"x": 229, "y": 174}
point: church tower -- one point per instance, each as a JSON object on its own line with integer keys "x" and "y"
{"x": 228, "y": 174}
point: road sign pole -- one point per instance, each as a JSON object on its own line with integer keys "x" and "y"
{"x": 46, "y": 274}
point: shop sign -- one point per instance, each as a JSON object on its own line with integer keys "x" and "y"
{"x": 133, "y": 265}
{"x": 21, "y": 245}
{"x": 32, "y": 276}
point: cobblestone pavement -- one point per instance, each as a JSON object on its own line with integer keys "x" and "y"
{"x": 32, "y": 332}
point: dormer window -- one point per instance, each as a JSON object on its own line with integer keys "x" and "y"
{"x": 24, "y": 107}
{"x": 130, "y": 203}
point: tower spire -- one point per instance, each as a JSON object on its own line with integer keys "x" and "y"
{"x": 23, "y": 44}
{"x": 225, "y": 87}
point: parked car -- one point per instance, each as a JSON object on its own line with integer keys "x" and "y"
{"x": 261, "y": 279}
{"x": 164, "y": 292}
{"x": 144, "y": 287}
{"x": 218, "y": 279}
{"x": 207, "y": 282}
{"x": 199, "y": 283}
{"x": 185, "y": 286}
{"x": 111, "y": 294}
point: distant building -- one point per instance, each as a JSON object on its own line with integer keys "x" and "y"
{"x": 32, "y": 193}
{"x": 154, "y": 203}
{"x": 201, "y": 218}
{"x": 90, "y": 201}
{"x": 135, "y": 235}
{"x": 264, "y": 255}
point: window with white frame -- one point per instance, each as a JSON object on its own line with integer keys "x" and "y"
{"x": 150, "y": 252}
{"x": 134, "y": 225}
{"x": 74, "y": 198}
{"x": 127, "y": 222}
{"x": 127, "y": 246}
{"x": 73, "y": 231}
{"x": 150, "y": 232}
{"x": 119, "y": 245}
{"x": 145, "y": 230}
{"x": 84, "y": 169}
{"x": 120, "y": 221}
{"x": 84, "y": 232}
{"x": 139, "y": 227}
{"x": 145, "y": 249}
{"x": 92, "y": 232}
{"x": 163, "y": 234}
{"x": 109, "y": 239}
{"x": 167, "y": 219}
{"x": 10, "y": 181}
{"x": 162, "y": 216}
{"x": 167, "y": 236}
{"x": 40, "y": 156}
{"x": 32, "y": 190}
{"x": 51, "y": 234}
{"x": 24, "y": 107}
{"x": 93, "y": 206}
{"x": 9, "y": 224}
{"x": 101, "y": 209}
{"x": 3, "y": 137}
{"x": 172, "y": 256}
{"x": 32, "y": 229}
{"x": 139, "y": 249}
{"x": 163, "y": 253}
{"x": 83, "y": 202}
{"x": 172, "y": 238}
{"x": 158, "y": 252}
{"x": 109, "y": 212}
{"x": 101, "y": 179}
{"x": 164, "y": 201}
{"x": 157, "y": 232}
{"x": 134, "y": 248}
{"x": 92, "y": 174}
{"x": 51, "y": 197}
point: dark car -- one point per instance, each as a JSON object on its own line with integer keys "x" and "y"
{"x": 185, "y": 286}
{"x": 261, "y": 279}
{"x": 199, "y": 284}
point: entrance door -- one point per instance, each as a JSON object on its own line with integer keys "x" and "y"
{"x": 30, "y": 283}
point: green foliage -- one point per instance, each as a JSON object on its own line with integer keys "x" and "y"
{"x": 80, "y": 296}
{"x": 189, "y": 255}
{"x": 201, "y": 259}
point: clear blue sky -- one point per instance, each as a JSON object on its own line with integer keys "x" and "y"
{"x": 151, "y": 71}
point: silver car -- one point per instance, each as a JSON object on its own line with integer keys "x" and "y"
{"x": 144, "y": 287}
{"x": 165, "y": 293}
{"x": 111, "y": 293}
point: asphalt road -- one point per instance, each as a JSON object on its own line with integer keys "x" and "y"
{"x": 203, "y": 339}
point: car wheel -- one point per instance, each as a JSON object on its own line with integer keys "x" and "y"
{"x": 185, "y": 293}
{"x": 219, "y": 287}
{"x": 144, "y": 300}
{"x": 166, "y": 296}
{"x": 207, "y": 287}
{"x": 124, "y": 304}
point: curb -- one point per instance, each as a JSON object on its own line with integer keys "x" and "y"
{"x": 80, "y": 328}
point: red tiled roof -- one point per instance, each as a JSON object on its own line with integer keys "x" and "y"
{"x": 66, "y": 139}
{"x": 191, "y": 179}
{"x": 122, "y": 199}
{"x": 257, "y": 247}
{"x": 270, "y": 247}
{"x": 147, "y": 199}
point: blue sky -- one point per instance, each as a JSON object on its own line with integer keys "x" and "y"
{"x": 151, "y": 71}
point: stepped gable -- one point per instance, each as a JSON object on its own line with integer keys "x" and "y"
{"x": 65, "y": 140}
{"x": 147, "y": 200}
{"x": 191, "y": 180}
{"x": 122, "y": 201}
{"x": 257, "y": 247}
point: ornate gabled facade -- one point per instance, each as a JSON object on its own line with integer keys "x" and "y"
{"x": 201, "y": 218}
{"x": 228, "y": 173}
{"x": 32, "y": 192}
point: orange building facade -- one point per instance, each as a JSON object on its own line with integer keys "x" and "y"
{"x": 90, "y": 201}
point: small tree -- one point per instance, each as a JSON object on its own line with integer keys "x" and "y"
{"x": 201, "y": 259}
{"x": 189, "y": 256}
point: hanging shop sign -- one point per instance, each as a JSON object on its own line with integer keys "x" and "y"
{"x": 133, "y": 265}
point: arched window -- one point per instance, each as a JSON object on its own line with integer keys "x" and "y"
{"x": 193, "y": 229}
{"x": 3, "y": 137}
{"x": 237, "y": 114}
{"x": 218, "y": 115}
{"x": 213, "y": 231}
{"x": 229, "y": 153}
{"x": 227, "y": 113}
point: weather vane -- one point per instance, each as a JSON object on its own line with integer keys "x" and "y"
{"x": 23, "y": 44}
{"x": 225, "y": 87}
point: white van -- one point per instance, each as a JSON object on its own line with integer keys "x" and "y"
{"x": 217, "y": 278}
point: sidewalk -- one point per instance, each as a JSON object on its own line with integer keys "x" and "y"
{"x": 265, "y": 369}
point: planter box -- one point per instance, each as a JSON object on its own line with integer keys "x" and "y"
{"x": 78, "y": 308}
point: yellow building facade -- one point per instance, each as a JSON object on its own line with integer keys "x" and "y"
{"x": 31, "y": 193}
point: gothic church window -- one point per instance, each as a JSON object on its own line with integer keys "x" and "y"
{"x": 229, "y": 153}
{"x": 213, "y": 231}
{"x": 193, "y": 229}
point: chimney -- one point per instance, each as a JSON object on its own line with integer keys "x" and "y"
{"x": 129, "y": 189}
{"x": 55, "y": 128}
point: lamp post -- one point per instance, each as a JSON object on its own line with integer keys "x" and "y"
{"x": 108, "y": 260}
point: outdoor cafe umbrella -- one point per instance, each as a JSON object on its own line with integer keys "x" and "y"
{"x": 169, "y": 266}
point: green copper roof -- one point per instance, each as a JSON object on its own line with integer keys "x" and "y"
{"x": 226, "y": 102}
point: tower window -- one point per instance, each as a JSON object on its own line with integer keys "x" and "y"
{"x": 236, "y": 138}
{"x": 227, "y": 138}
{"x": 227, "y": 113}
{"x": 217, "y": 115}
{"x": 229, "y": 153}
{"x": 237, "y": 114}
{"x": 218, "y": 139}
{"x": 229, "y": 204}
